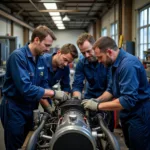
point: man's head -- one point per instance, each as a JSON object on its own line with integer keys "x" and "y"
{"x": 85, "y": 42}
{"x": 106, "y": 50}
{"x": 66, "y": 55}
{"x": 42, "y": 38}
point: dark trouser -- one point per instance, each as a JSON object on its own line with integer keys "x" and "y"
{"x": 17, "y": 122}
{"x": 136, "y": 128}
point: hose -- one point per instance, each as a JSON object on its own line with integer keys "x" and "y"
{"x": 33, "y": 140}
{"x": 114, "y": 143}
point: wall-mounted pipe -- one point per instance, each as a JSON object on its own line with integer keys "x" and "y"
{"x": 10, "y": 17}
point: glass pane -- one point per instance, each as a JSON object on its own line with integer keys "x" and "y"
{"x": 145, "y": 35}
{"x": 105, "y": 32}
{"x": 116, "y": 28}
{"x": 149, "y": 35}
{"x": 141, "y": 18}
{"x": 145, "y": 47}
{"x": 141, "y": 36}
{"x": 149, "y": 15}
{"x": 112, "y": 29}
{"x": 113, "y": 37}
{"x": 145, "y": 16}
{"x": 148, "y": 46}
{"x": 117, "y": 39}
{"x": 141, "y": 51}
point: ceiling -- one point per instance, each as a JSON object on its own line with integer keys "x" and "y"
{"x": 81, "y": 12}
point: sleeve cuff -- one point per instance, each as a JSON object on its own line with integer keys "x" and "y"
{"x": 40, "y": 93}
{"x": 76, "y": 89}
{"x": 126, "y": 102}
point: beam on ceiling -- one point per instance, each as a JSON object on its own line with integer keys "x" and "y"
{"x": 76, "y": 17}
{"x": 39, "y": 12}
{"x": 47, "y": 1}
{"x": 8, "y": 16}
{"x": 70, "y": 22}
{"x": 55, "y": 10}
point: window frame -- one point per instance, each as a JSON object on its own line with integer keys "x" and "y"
{"x": 143, "y": 27}
{"x": 114, "y": 34}
{"x": 104, "y": 31}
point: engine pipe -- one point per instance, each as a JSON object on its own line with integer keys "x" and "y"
{"x": 33, "y": 140}
{"x": 110, "y": 136}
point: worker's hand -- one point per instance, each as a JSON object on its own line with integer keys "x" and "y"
{"x": 91, "y": 104}
{"x": 49, "y": 109}
{"x": 61, "y": 96}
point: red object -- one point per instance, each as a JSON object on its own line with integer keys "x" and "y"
{"x": 116, "y": 119}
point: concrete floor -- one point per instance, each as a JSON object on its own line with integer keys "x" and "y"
{"x": 2, "y": 146}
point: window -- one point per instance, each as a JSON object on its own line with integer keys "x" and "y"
{"x": 104, "y": 32}
{"x": 144, "y": 31}
{"x": 114, "y": 31}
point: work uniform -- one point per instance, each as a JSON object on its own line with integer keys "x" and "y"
{"x": 129, "y": 84}
{"x": 61, "y": 75}
{"x": 97, "y": 79}
{"x": 22, "y": 93}
{"x": 96, "y": 76}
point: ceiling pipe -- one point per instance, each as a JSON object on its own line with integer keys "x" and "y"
{"x": 89, "y": 11}
{"x": 39, "y": 12}
{"x": 6, "y": 15}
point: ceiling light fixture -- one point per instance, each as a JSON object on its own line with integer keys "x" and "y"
{"x": 66, "y": 18}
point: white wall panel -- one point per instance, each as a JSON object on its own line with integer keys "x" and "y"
{"x": 5, "y": 26}
{"x": 110, "y": 17}
{"x": 18, "y": 31}
{"x": 66, "y": 36}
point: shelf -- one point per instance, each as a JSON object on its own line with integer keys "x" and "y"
{"x": 147, "y": 52}
{"x": 146, "y": 62}
{"x": 148, "y": 73}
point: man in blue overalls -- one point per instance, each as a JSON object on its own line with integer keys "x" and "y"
{"x": 131, "y": 89}
{"x": 58, "y": 69}
{"x": 25, "y": 74}
{"x": 95, "y": 74}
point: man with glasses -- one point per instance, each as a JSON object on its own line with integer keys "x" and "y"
{"x": 88, "y": 68}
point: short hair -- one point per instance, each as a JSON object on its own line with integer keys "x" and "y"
{"x": 69, "y": 48}
{"x": 85, "y": 37}
{"x": 41, "y": 32}
{"x": 104, "y": 43}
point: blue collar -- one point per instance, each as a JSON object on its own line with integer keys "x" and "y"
{"x": 28, "y": 52}
{"x": 50, "y": 62}
{"x": 120, "y": 56}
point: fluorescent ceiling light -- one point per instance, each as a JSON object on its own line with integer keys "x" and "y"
{"x": 57, "y": 21}
{"x": 54, "y": 14}
{"x": 50, "y": 5}
{"x": 56, "y": 18}
{"x": 61, "y": 27}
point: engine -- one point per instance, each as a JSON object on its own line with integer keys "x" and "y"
{"x": 71, "y": 128}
